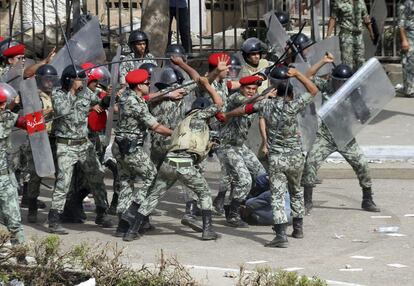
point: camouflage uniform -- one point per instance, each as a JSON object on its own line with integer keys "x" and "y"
{"x": 73, "y": 147}
{"x": 406, "y": 21}
{"x": 241, "y": 163}
{"x": 126, "y": 67}
{"x": 132, "y": 160}
{"x": 182, "y": 166}
{"x": 286, "y": 156}
{"x": 349, "y": 15}
{"x": 9, "y": 201}
{"x": 325, "y": 145}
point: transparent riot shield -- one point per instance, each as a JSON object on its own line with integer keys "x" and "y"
{"x": 317, "y": 51}
{"x": 276, "y": 34}
{"x": 379, "y": 12}
{"x": 254, "y": 139}
{"x": 36, "y": 128}
{"x": 357, "y": 102}
{"x": 155, "y": 78}
{"x": 84, "y": 46}
{"x": 114, "y": 84}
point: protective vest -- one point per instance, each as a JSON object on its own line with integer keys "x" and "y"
{"x": 185, "y": 138}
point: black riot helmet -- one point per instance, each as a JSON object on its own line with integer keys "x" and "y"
{"x": 201, "y": 103}
{"x": 283, "y": 18}
{"x": 69, "y": 74}
{"x": 300, "y": 42}
{"x": 149, "y": 67}
{"x": 168, "y": 77}
{"x": 47, "y": 78}
{"x": 138, "y": 36}
{"x": 278, "y": 77}
{"x": 175, "y": 50}
{"x": 235, "y": 67}
{"x": 252, "y": 45}
{"x": 340, "y": 74}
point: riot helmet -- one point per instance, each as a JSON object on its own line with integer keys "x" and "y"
{"x": 138, "y": 36}
{"x": 47, "y": 78}
{"x": 71, "y": 73}
{"x": 7, "y": 91}
{"x": 340, "y": 74}
{"x": 235, "y": 67}
{"x": 201, "y": 103}
{"x": 283, "y": 18}
{"x": 168, "y": 77}
{"x": 278, "y": 77}
{"x": 175, "y": 50}
{"x": 100, "y": 74}
{"x": 300, "y": 42}
{"x": 149, "y": 67}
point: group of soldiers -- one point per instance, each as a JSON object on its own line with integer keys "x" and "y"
{"x": 187, "y": 117}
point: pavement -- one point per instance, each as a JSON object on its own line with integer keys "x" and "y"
{"x": 340, "y": 244}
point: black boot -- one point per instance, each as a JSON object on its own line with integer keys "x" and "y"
{"x": 25, "y": 198}
{"x": 146, "y": 225}
{"x": 218, "y": 203}
{"x": 32, "y": 213}
{"x": 55, "y": 225}
{"x": 189, "y": 219}
{"x": 208, "y": 232}
{"x": 297, "y": 227}
{"x": 367, "y": 201}
{"x": 114, "y": 204}
{"x": 102, "y": 218}
{"x": 234, "y": 218}
{"x": 132, "y": 232}
{"x": 122, "y": 227}
{"x": 308, "y": 199}
{"x": 281, "y": 238}
{"x": 130, "y": 213}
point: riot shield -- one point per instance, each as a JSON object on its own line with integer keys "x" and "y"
{"x": 254, "y": 139}
{"x": 155, "y": 77}
{"x": 379, "y": 13}
{"x": 357, "y": 102}
{"x": 114, "y": 84}
{"x": 317, "y": 51}
{"x": 36, "y": 128}
{"x": 276, "y": 34}
{"x": 84, "y": 46}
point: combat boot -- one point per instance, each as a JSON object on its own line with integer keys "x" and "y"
{"x": 102, "y": 218}
{"x": 132, "y": 232}
{"x": 55, "y": 225}
{"x": 234, "y": 219}
{"x": 146, "y": 225}
{"x": 208, "y": 232}
{"x": 114, "y": 204}
{"x": 218, "y": 203}
{"x": 122, "y": 227}
{"x": 297, "y": 227}
{"x": 280, "y": 240}
{"x": 189, "y": 218}
{"x": 130, "y": 213}
{"x": 32, "y": 213}
{"x": 367, "y": 201}
{"x": 308, "y": 199}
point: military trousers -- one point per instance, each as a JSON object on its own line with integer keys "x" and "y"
{"x": 285, "y": 171}
{"x": 325, "y": 145}
{"x": 352, "y": 49}
{"x": 10, "y": 209}
{"x": 407, "y": 62}
{"x": 85, "y": 155}
{"x": 243, "y": 167}
{"x": 189, "y": 175}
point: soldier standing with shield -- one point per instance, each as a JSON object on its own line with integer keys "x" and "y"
{"x": 406, "y": 24}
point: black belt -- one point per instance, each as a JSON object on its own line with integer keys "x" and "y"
{"x": 179, "y": 164}
{"x": 71, "y": 142}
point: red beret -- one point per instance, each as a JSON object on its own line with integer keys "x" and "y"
{"x": 251, "y": 79}
{"x": 3, "y": 98}
{"x": 14, "y": 51}
{"x": 1, "y": 39}
{"x": 213, "y": 59}
{"x": 138, "y": 76}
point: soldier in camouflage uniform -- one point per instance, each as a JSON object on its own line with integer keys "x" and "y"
{"x": 130, "y": 132}
{"x": 406, "y": 24}
{"x": 73, "y": 146}
{"x": 138, "y": 43}
{"x": 350, "y": 15}
{"x": 190, "y": 145}
{"x": 325, "y": 145}
{"x": 286, "y": 154}
{"x": 9, "y": 201}
{"x": 241, "y": 163}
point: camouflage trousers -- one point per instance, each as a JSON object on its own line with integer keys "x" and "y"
{"x": 407, "y": 61}
{"x": 285, "y": 170}
{"x": 189, "y": 176}
{"x": 324, "y": 146}
{"x": 9, "y": 208}
{"x": 243, "y": 167}
{"x": 225, "y": 180}
{"x": 137, "y": 164}
{"x": 85, "y": 155}
{"x": 352, "y": 49}
{"x": 158, "y": 153}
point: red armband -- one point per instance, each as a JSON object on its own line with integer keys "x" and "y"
{"x": 229, "y": 85}
{"x": 21, "y": 122}
{"x": 249, "y": 108}
{"x": 146, "y": 97}
{"x": 220, "y": 117}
